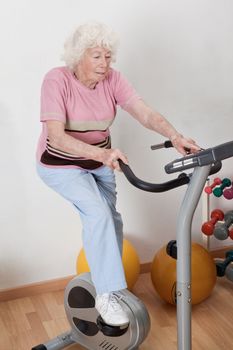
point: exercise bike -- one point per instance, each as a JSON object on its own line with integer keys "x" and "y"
{"x": 87, "y": 327}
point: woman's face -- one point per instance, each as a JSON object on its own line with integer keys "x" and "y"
{"x": 94, "y": 65}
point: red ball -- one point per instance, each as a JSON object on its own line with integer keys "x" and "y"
{"x": 231, "y": 233}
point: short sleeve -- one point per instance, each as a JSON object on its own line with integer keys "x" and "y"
{"x": 52, "y": 101}
{"x": 124, "y": 92}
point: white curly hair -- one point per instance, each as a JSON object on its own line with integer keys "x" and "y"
{"x": 89, "y": 35}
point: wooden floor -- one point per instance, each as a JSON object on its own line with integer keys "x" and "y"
{"x": 29, "y": 321}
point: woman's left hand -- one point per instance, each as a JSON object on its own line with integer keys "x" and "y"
{"x": 184, "y": 145}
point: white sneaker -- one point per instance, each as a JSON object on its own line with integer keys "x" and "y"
{"x": 110, "y": 310}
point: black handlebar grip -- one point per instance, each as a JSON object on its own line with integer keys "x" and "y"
{"x": 181, "y": 180}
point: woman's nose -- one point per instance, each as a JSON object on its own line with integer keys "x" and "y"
{"x": 104, "y": 62}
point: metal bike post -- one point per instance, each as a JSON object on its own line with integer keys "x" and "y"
{"x": 58, "y": 343}
{"x": 183, "y": 287}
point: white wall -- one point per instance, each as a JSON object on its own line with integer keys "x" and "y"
{"x": 178, "y": 55}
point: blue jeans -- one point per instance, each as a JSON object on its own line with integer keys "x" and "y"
{"x": 93, "y": 194}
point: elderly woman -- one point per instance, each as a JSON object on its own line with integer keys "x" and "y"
{"x": 75, "y": 157}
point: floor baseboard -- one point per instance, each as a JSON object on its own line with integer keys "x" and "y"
{"x": 60, "y": 283}
{"x": 34, "y": 288}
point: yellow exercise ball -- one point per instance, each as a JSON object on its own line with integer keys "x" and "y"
{"x": 163, "y": 274}
{"x": 130, "y": 261}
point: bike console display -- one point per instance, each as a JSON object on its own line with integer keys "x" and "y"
{"x": 206, "y": 157}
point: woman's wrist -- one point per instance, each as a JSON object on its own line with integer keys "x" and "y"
{"x": 175, "y": 136}
{"x": 99, "y": 154}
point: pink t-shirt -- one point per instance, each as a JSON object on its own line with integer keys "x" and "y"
{"x": 86, "y": 113}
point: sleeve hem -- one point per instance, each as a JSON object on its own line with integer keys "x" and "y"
{"x": 130, "y": 100}
{"x": 52, "y": 116}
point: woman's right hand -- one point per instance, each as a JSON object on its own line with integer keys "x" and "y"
{"x": 109, "y": 157}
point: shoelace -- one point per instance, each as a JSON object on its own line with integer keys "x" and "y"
{"x": 111, "y": 300}
{"x": 114, "y": 301}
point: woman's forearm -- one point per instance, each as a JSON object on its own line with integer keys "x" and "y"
{"x": 60, "y": 140}
{"x": 69, "y": 144}
{"x": 154, "y": 121}
{"x": 160, "y": 124}
{"x": 151, "y": 119}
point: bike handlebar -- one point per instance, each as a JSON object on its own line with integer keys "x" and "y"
{"x": 181, "y": 180}
{"x": 204, "y": 157}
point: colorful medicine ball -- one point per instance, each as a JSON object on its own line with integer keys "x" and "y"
{"x": 163, "y": 274}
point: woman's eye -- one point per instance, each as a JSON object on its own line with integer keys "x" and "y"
{"x": 106, "y": 57}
